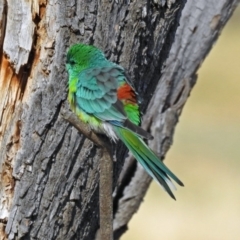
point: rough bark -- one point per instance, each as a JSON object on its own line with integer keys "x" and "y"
{"x": 50, "y": 171}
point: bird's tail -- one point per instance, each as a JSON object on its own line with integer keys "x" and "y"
{"x": 148, "y": 159}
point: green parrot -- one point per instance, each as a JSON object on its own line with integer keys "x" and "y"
{"x": 102, "y": 96}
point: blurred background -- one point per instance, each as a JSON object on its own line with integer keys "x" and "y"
{"x": 205, "y": 155}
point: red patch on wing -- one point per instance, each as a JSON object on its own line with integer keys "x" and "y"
{"x": 125, "y": 93}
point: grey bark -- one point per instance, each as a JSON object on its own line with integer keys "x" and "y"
{"x": 49, "y": 171}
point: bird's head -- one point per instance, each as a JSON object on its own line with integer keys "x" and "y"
{"x": 82, "y": 56}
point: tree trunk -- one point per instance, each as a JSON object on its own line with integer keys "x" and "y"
{"x": 49, "y": 170}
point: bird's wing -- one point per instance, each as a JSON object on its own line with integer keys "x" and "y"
{"x": 97, "y": 95}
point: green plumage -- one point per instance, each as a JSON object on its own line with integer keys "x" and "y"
{"x": 148, "y": 159}
{"x": 102, "y": 96}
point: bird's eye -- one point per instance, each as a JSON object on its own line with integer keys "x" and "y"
{"x": 72, "y": 62}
